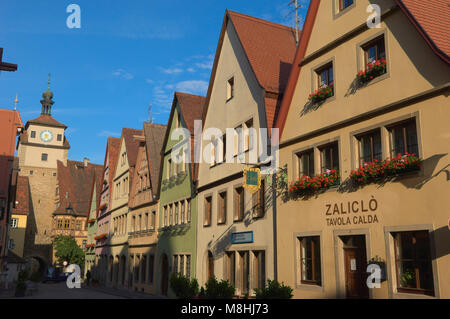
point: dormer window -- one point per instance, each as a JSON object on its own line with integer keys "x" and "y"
{"x": 230, "y": 89}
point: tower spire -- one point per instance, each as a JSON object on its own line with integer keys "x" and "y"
{"x": 47, "y": 101}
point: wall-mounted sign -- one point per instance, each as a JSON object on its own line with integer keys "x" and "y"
{"x": 242, "y": 238}
{"x": 352, "y": 213}
{"x": 252, "y": 179}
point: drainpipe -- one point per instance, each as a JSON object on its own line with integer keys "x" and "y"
{"x": 274, "y": 213}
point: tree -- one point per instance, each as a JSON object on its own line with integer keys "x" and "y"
{"x": 66, "y": 249}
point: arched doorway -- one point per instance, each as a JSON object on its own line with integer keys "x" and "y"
{"x": 164, "y": 274}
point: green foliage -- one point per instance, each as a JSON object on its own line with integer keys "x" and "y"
{"x": 218, "y": 290}
{"x": 408, "y": 278}
{"x": 274, "y": 290}
{"x": 183, "y": 287}
{"x": 67, "y": 250}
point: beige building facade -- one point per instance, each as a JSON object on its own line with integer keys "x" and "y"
{"x": 328, "y": 238}
{"x": 235, "y": 238}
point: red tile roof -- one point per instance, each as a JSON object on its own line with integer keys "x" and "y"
{"x": 113, "y": 148}
{"x": 432, "y": 19}
{"x": 191, "y": 108}
{"x": 22, "y": 196}
{"x": 154, "y": 139}
{"x": 45, "y": 119}
{"x": 131, "y": 144}
{"x": 75, "y": 186}
{"x": 270, "y": 49}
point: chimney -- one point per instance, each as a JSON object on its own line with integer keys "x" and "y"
{"x": 86, "y": 162}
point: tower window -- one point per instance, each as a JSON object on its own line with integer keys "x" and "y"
{"x": 33, "y": 134}
{"x": 59, "y": 137}
{"x": 44, "y": 157}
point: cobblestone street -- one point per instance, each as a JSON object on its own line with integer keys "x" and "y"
{"x": 60, "y": 291}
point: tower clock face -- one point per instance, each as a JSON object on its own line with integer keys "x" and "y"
{"x": 46, "y": 136}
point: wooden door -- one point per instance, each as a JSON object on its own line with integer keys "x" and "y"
{"x": 355, "y": 273}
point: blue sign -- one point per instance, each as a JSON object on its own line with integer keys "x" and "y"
{"x": 242, "y": 238}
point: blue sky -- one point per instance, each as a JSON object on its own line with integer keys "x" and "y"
{"x": 126, "y": 55}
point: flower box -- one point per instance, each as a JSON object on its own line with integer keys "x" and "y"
{"x": 322, "y": 94}
{"x": 102, "y": 236}
{"x": 378, "y": 170}
{"x": 90, "y": 221}
{"x": 307, "y": 185}
{"x": 372, "y": 70}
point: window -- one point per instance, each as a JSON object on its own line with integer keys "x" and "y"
{"x": 413, "y": 262}
{"x": 369, "y": 147}
{"x": 325, "y": 76}
{"x": 238, "y": 140}
{"x": 176, "y": 214}
{"x": 165, "y": 216}
{"x": 249, "y": 135}
{"x": 60, "y": 224}
{"x": 14, "y": 223}
{"x": 151, "y": 266}
{"x": 153, "y": 220}
{"x": 188, "y": 266}
{"x": 171, "y": 214}
{"x": 169, "y": 168}
{"x": 245, "y": 272}
{"x": 374, "y": 50}
{"x": 133, "y": 224}
{"x": 238, "y": 204}
{"x": 139, "y": 227}
{"x": 343, "y": 4}
{"x": 222, "y": 203}
{"x": 230, "y": 89}
{"x": 213, "y": 153}
{"x": 230, "y": 270}
{"x": 11, "y": 244}
{"x": 59, "y": 137}
{"x": 44, "y": 157}
{"x": 66, "y": 224}
{"x": 146, "y": 222}
{"x": 404, "y": 139}
{"x": 78, "y": 225}
{"x": 310, "y": 260}
{"x": 144, "y": 269}
{"x": 208, "y": 211}
{"x": 175, "y": 264}
{"x": 259, "y": 269}
{"x": 305, "y": 164}
{"x": 183, "y": 212}
{"x": 258, "y": 200}
{"x": 329, "y": 155}
{"x": 182, "y": 265}
{"x": 31, "y": 172}
{"x": 136, "y": 269}
{"x": 33, "y": 134}
{"x": 188, "y": 210}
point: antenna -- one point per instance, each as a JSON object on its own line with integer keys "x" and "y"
{"x": 150, "y": 118}
{"x": 15, "y": 102}
{"x": 297, "y": 6}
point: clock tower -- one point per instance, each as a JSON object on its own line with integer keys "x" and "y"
{"x": 40, "y": 146}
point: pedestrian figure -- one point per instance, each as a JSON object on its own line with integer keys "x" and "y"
{"x": 88, "y": 277}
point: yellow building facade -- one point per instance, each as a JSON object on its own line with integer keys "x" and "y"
{"x": 328, "y": 239}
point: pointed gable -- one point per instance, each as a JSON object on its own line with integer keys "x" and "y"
{"x": 131, "y": 144}
{"x": 154, "y": 139}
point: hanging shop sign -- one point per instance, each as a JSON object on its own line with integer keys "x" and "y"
{"x": 252, "y": 180}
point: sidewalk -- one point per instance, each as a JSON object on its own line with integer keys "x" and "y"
{"x": 122, "y": 292}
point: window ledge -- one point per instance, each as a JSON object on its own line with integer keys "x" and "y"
{"x": 385, "y": 76}
{"x": 310, "y": 287}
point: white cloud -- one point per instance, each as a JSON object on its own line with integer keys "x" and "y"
{"x": 172, "y": 70}
{"x": 149, "y": 81}
{"x": 193, "y": 87}
{"x": 123, "y": 74}
{"x": 192, "y": 70}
